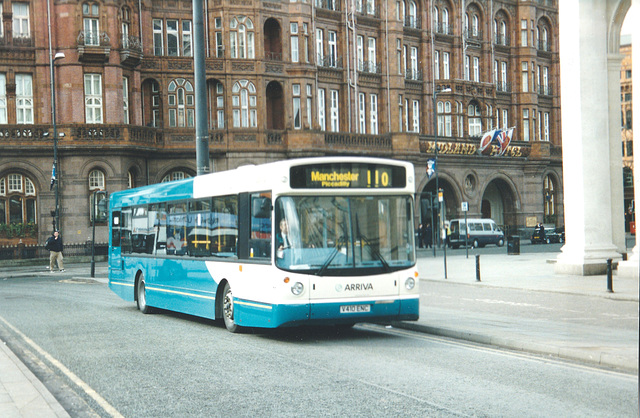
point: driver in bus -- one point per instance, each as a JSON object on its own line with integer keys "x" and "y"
{"x": 282, "y": 239}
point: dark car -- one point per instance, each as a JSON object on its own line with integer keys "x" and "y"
{"x": 547, "y": 235}
{"x": 556, "y": 235}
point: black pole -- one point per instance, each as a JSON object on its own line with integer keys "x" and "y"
{"x": 202, "y": 130}
{"x": 478, "y": 267}
{"x": 93, "y": 239}
{"x": 609, "y": 276}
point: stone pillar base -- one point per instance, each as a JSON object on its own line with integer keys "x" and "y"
{"x": 631, "y": 267}
{"x": 586, "y": 262}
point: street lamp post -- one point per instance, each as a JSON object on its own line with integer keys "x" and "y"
{"x": 55, "y": 173}
{"x": 437, "y": 169}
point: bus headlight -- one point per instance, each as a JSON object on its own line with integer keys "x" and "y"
{"x": 410, "y": 283}
{"x": 297, "y": 288}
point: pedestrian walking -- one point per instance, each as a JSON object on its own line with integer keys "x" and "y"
{"x": 54, "y": 245}
{"x": 420, "y": 232}
{"x": 428, "y": 236}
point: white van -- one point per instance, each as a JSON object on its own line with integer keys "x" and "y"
{"x": 479, "y": 232}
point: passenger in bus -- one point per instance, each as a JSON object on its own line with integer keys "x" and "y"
{"x": 282, "y": 238}
{"x": 175, "y": 244}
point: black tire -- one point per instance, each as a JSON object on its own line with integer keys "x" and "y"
{"x": 141, "y": 296}
{"x": 228, "y": 310}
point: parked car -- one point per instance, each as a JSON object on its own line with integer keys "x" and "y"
{"x": 548, "y": 234}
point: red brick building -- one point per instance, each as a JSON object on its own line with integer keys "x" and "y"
{"x": 284, "y": 80}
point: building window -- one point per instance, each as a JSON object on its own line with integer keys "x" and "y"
{"x": 373, "y": 113}
{"x": 125, "y": 14}
{"x": 244, "y": 104}
{"x": 399, "y": 55}
{"x": 525, "y": 124}
{"x": 297, "y": 111}
{"x": 158, "y": 45}
{"x": 362, "y": 124}
{"x": 546, "y": 127}
{"x": 440, "y": 107}
{"x": 241, "y": 36}
{"x": 549, "y": 199}
{"x": 475, "y": 120}
{"x": 21, "y": 20}
{"x": 466, "y": 67}
{"x": 294, "y": 42}
{"x": 400, "y": 112}
{"x": 476, "y": 69}
{"x": 175, "y": 175}
{"x": 93, "y": 98}
{"x": 24, "y": 98}
{"x": 305, "y": 42}
{"x": 130, "y": 180}
{"x": 460, "y": 118}
{"x": 91, "y": 23}
{"x": 17, "y": 200}
{"x": 218, "y": 99}
{"x": 181, "y": 103}
{"x": 416, "y": 116}
{"x": 415, "y": 72}
{"x": 125, "y": 99}
{"x": 179, "y": 38}
{"x": 525, "y": 77}
{"x": 436, "y": 65}
{"x": 523, "y": 32}
{"x": 447, "y": 119}
{"x": 218, "y": 36}
{"x": 96, "y": 180}
{"x": 321, "y": 110}
{"x": 445, "y": 65}
{"x": 309, "y": 106}
{"x": 333, "y": 49}
{"x": 3, "y": 97}
{"x": 505, "y": 118}
{"x": 372, "y": 55}
{"x": 360, "y": 52}
{"x": 335, "y": 111}
{"x": 319, "y": 47}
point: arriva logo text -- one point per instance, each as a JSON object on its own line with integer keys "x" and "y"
{"x": 358, "y": 286}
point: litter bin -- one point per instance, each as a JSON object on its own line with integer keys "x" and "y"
{"x": 513, "y": 245}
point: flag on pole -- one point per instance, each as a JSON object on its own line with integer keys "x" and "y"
{"x": 431, "y": 167}
{"x": 53, "y": 176}
{"x": 499, "y": 137}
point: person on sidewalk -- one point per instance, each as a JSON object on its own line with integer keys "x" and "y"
{"x": 54, "y": 245}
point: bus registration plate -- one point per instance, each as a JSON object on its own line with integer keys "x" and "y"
{"x": 354, "y": 308}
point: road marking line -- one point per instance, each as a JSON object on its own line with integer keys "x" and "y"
{"x": 75, "y": 379}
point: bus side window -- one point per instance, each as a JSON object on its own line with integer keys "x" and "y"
{"x": 260, "y": 239}
{"x": 125, "y": 230}
{"x": 115, "y": 229}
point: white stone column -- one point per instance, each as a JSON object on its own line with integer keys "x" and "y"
{"x": 630, "y": 268}
{"x": 585, "y": 139}
{"x": 614, "y": 64}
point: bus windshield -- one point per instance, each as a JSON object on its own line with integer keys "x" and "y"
{"x": 331, "y": 235}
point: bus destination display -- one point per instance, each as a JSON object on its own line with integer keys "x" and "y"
{"x": 347, "y": 176}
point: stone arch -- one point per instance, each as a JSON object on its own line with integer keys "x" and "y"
{"x": 275, "y": 106}
{"x": 429, "y": 210}
{"x": 499, "y": 201}
{"x": 272, "y": 40}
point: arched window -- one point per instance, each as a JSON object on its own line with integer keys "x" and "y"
{"x": 175, "y": 175}
{"x": 475, "y": 120}
{"x": 413, "y": 14}
{"x": 181, "y": 103}
{"x": 96, "y": 180}
{"x": 549, "y": 199}
{"x": 445, "y": 20}
{"x": 436, "y": 19}
{"x": 244, "y": 104}
{"x": 475, "y": 24}
{"x": 241, "y": 36}
{"x": 130, "y": 180}
{"x": 17, "y": 199}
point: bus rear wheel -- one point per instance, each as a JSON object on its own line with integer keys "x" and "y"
{"x": 228, "y": 309}
{"x": 141, "y": 296}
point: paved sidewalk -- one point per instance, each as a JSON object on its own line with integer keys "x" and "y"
{"x": 608, "y": 339}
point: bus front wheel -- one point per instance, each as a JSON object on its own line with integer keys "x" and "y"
{"x": 227, "y": 309}
{"x": 141, "y": 296}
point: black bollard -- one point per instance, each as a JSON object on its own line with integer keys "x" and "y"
{"x": 477, "y": 267}
{"x": 609, "y": 277}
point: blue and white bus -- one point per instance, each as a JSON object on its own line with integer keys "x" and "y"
{"x": 307, "y": 241}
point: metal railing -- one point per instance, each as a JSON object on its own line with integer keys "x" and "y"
{"x": 25, "y": 252}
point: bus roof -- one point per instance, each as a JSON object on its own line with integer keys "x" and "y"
{"x": 270, "y": 176}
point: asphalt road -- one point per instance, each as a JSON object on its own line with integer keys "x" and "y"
{"x": 80, "y": 338}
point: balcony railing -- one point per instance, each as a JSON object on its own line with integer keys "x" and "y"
{"x": 369, "y": 67}
{"x": 272, "y": 56}
{"x": 503, "y": 87}
{"x": 443, "y": 28}
{"x": 413, "y": 75}
{"x": 473, "y": 34}
{"x": 412, "y": 22}
{"x": 328, "y": 4}
{"x": 93, "y": 38}
{"x": 545, "y": 90}
{"x": 132, "y": 43}
{"x": 329, "y": 61}
{"x": 502, "y": 40}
